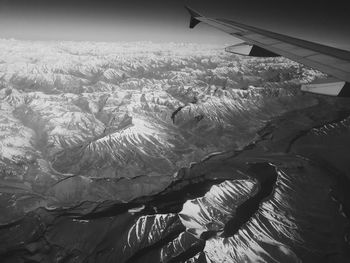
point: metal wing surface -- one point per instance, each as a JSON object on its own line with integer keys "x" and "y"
{"x": 259, "y": 42}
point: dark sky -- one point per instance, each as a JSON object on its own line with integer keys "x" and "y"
{"x": 166, "y": 20}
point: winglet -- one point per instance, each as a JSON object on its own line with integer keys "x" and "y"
{"x": 194, "y": 21}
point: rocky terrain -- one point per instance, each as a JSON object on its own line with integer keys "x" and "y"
{"x": 144, "y": 152}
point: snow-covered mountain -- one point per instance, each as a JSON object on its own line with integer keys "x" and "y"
{"x": 135, "y": 136}
{"x": 124, "y": 110}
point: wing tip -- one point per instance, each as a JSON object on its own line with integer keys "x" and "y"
{"x": 192, "y": 12}
{"x": 194, "y": 15}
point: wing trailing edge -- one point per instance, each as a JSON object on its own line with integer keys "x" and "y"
{"x": 250, "y": 50}
{"x": 333, "y": 88}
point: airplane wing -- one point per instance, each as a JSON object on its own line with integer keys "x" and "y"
{"x": 262, "y": 43}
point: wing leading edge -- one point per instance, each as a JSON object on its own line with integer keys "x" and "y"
{"x": 259, "y": 42}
